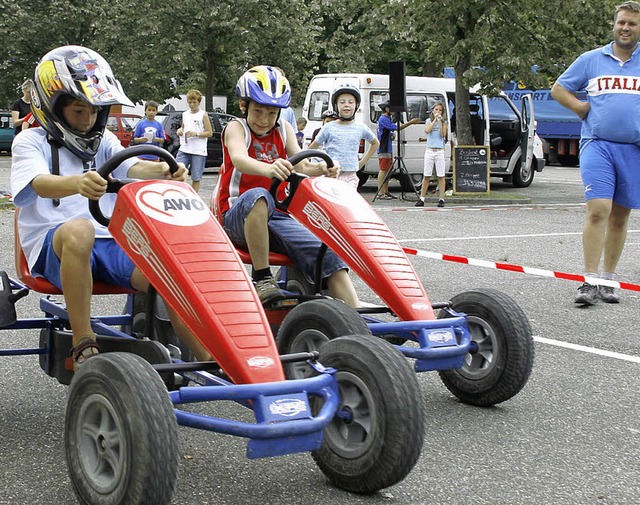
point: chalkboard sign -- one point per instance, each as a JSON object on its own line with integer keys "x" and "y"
{"x": 471, "y": 169}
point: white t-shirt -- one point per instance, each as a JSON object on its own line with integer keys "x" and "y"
{"x": 193, "y": 121}
{"x": 31, "y": 156}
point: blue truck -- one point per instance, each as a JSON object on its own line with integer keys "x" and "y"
{"x": 558, "y": 127}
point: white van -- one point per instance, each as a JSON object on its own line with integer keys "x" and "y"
{"x": 496, "y": 122}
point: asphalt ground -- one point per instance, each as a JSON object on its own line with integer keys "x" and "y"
{"x": 571, "y": 436}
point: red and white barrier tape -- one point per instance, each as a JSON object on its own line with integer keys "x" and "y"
{"x": 523, "y": 270}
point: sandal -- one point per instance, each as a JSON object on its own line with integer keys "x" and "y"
{"x": 86, "y": 348}
{"x": 385, "y": 196}
{"x": 391, "y": 197}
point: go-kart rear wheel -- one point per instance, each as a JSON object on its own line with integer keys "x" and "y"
{"x": 121, "y": 435}
{"x": 312, "y": 324}
{"x": 376, "y": 437}
{"x": 501, "y": 362}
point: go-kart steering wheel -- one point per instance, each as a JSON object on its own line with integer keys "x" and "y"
{"x": 295, "y": 178}
{"x": 114, "y": 185}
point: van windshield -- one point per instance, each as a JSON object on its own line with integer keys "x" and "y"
{"x": 419, "y": 105}
{"x": 318, "y": 103}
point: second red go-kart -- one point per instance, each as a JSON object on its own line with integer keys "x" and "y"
{"x": 360, "y": 415}
{"x": 480, "y": 342}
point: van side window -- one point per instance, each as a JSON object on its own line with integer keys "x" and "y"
{"x": 318, "y": 103}
{"x": 420, "y": 105}
{"x": 375, "y": 99}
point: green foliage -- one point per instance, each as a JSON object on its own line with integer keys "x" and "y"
{"x": 160, "y": 49}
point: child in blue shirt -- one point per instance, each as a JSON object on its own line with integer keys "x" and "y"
{"x": 341, "y": 139}
{"x": 148, "y": 130}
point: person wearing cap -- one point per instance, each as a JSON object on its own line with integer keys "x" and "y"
{"x": 386, "y": 127}
{"x": 327, "y": 116}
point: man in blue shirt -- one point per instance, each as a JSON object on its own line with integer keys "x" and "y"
{"x": 386, "y": 127}
{"x": 609, "y": 145}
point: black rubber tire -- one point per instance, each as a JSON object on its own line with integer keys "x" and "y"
{"x": 310, "y": 325}
{"x": 296, "y": 281}
{"x": 380, "y": 442}
{"x": 523, "y": 178}
{"x": 502, "y": 365}
{"x": 121, "y": 434}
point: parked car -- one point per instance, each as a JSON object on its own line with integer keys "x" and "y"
{"x": 6, "y": 131}
{"x": 171, "y": 121}
{"x": 123, "y": 125}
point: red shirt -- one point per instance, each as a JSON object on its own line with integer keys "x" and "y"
{"x": 233, "y": 183}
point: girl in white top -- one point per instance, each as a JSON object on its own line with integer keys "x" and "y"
{"x": 194, "y": 132}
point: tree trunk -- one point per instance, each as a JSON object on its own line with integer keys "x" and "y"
{"x": 463, "y": 118}
{"x": 210, "y": 79}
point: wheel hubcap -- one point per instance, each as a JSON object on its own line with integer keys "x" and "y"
{"x": 350, "y": 435}
{"x": 480, "y": 363}
{"x": 307, "y": 341}
{"x": 101, "y": 444}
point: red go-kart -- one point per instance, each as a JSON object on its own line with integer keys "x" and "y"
{"x": 480, "y": 342}
{"x": 359, "y": 413}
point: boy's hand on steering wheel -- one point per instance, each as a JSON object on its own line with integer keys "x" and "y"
{"x": 280, "y": 169}
{"x": 334, "y": 171}
{"x": 180, "y": 175}
{"x": 91, "y": 185}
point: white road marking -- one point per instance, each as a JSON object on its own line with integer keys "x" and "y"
{"x": 591, "y": 350}
{"x": 524, "y": 235}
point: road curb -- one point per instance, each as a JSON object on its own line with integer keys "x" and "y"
{"x": 454, "y": 200}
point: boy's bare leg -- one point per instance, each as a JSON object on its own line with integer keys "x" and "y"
{"x": 256, "y": 233}
{"x": 72, "y": 243}
{"x": 340, "y": 286}
{"x": 195, "y": 185}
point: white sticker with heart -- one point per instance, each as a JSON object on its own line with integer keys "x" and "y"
{"x": 175, "y": 204}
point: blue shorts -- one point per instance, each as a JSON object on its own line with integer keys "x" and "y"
{"x": 286, "y": 235}
{"x": 194, "y": 162}
{"x": 611, "y": 170}
{"x": 109, "y": 263}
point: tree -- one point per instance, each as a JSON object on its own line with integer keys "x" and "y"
{"x": 490, "y": 42}
{"x": 33, "y": 28}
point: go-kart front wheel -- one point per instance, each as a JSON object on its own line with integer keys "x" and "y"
{"x": 501, "y": 359}
{"x": 120, "y": 433}
{"x": 312, "y": 324}
{"x": 376, "y": 437}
